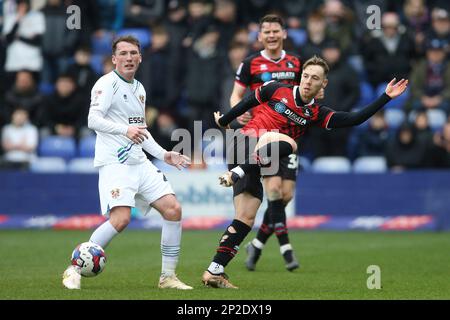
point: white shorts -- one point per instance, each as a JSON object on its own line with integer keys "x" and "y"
{"x": 136, "y": 185}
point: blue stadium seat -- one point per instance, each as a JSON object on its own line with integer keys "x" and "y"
{"x": 370, "y": 164}
{"x": 102, "y": 45}
{"x": 396, "y": 103}
{"x": 142, "y": 34}
{"x": 86, "y": 147}
{"x": 56, "y": 146}
{"x": 97, "y": 63}
{"x": 366, "y": 94}
{"x": 305, "y": 164}
{"x": 46, "y": 88}
{"x": 394, "y": 118}
{"x": 331, "y": 165}
{"x": 48, "y": 165}
{"x": 81, "y": 165}
{"x": 437, "y": 119}
{"x": 298, "y": 36}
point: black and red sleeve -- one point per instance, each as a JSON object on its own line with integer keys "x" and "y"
{"x": 323, "y": 117}
{"x": 253, "y": 99}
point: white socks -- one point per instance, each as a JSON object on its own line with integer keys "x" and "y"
{"x": 285, "y": 247}
{"x": 258, "y": 244}
{"x": 216, "y": 268}
{"x": 238, "y": 170}
{"x": 170, "y": 246}
{"x": 103, "y": 234}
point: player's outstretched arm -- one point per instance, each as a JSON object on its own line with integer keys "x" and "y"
{"x": 244, "y": 105}
{"x": 349, "y": 119}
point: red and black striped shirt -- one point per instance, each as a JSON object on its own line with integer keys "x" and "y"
{"x": 282, "y": 109}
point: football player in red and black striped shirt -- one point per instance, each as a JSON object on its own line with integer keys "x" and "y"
{"x": 288, "y": 112}
{"x": 272, "y": 63}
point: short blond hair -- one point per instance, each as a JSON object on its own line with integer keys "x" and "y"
{"x": 317, "y": 61}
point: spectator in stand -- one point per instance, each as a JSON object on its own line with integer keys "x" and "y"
{"x": 388, "y": 52}
{"x": 343, "y": 91}
{"x": 58, "y": 42}
{"x": 441, "y": 147}
{"x": 422, "y": 126}
{"x": 24, "y": 93}
{"x": 64, "y": 112}
{"x": 177, "y": 28}
{"x": 23, "y": 29}
{"x": 405, "y": 151}
{"x": 19, "y": 139}
{"x": 143, "y": 13}
{"x": 82, "y": 71}
{"x": 202, "y": 83}
{"x": 153, "y": 70}
{"x": 440, "y": 27}
{"x": 416, "y": 18}
{"x": 430, "y": 80}
{"x": 340, "y": 24}
{"x": 316, "y": 35}
{"x": 236, "y": 54}
{"x": 297, "y": 8}
{"x": 373, "y": 141}
{"x": 199, "y": 19}
{"x": 225, "y": 19}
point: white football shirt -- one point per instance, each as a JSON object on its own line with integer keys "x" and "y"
{"x": 122, "y": 104}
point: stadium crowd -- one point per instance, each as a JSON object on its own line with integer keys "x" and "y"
{"x": 191, "y": 50}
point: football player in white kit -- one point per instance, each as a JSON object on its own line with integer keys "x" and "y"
{"x": 126, "y": 178}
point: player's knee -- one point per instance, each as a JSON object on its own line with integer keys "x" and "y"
{"x": 245, "y": 218}
{"x": 120, "y": 222}
{"x": 274, "y": 194}
{"x": 287, "y": 197}
{"x": 173, "y": 212}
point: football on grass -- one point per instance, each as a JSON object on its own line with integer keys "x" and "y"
{"x": 90, "y": 257}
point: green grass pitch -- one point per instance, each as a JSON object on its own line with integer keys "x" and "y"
{"x": 333, "y": 266}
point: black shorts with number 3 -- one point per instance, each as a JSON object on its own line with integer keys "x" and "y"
{"x": 288, "y": 168}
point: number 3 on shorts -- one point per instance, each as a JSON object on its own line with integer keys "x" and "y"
{"x": 293, "y": 162}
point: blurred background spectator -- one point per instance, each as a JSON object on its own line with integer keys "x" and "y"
{"x": 24, "y": 93}
{"x": 388, "y": 52}
{"x": 373, "y": 141}
{"x": 19, "y": 140}
{"x": 64, "y": 112}
{"x": 405, "y": 150}
{"x": 23, "y": 29}
{"x": 430, "y": 79}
